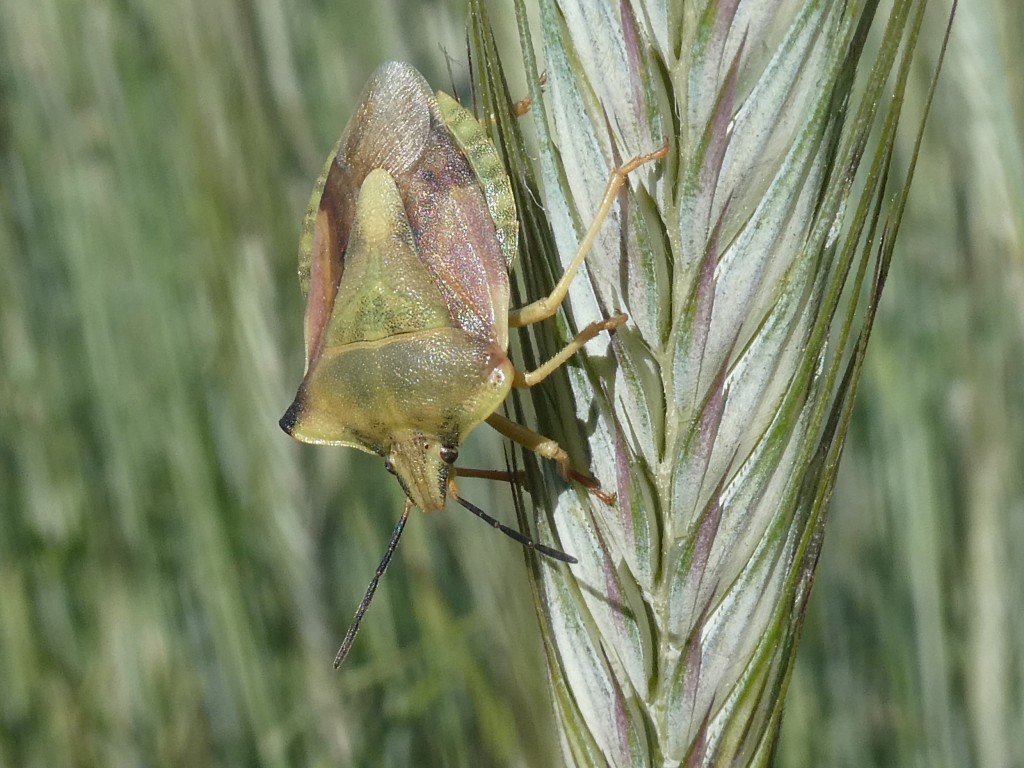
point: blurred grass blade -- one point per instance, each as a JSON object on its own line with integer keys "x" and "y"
{"x": 174, "y": 570}
{"x": 718, "y": 413}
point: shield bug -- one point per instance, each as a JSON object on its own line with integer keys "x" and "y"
{"x": 404, "y": 261}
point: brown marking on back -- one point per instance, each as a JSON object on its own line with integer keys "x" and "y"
{"x": 456, "y": 237}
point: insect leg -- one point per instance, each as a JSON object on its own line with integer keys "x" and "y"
{"x": 545, "y": 307}
{"x": 350, "y": 636}
{"x": 492, "y": 474}
{"x": 548, "y": 449}
{"x": 522, "y": 106}
{"x": 529, "y": 378}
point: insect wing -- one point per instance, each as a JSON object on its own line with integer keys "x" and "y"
{"x": 456, "y": 239}
{"x": 489, "y": 171}
{"x": 406, "y": 280}
{"x": 388, "y": 130}
{"x": 399, "y": 128}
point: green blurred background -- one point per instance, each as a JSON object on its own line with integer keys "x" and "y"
{"x": 176, "y": 573}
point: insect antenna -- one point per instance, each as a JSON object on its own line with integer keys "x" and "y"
{"x": 512, "y": 533}
{"x": 350, "y": 636}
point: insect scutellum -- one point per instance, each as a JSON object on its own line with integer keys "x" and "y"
{"x": 405, "y": 256}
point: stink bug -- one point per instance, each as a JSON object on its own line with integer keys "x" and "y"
{"x": 406, "y": 249}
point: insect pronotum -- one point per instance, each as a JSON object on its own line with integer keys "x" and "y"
{"x": 405, "y": 256}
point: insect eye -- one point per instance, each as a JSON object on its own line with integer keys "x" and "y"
{"x": 449, "y": 455}
{"x": 389, "y": 466}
